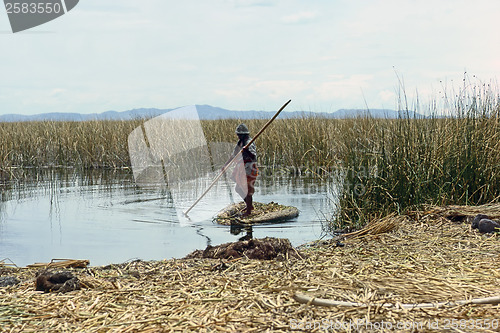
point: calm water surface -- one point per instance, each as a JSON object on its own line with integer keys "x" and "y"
{"x": 106, "y": 218}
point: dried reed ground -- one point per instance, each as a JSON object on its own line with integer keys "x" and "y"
{"x": 420, "y": 258}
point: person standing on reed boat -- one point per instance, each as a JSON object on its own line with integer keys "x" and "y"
{"x": 246, "y": 170}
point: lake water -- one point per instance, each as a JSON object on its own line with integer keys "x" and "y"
{"x": 105, "y": 217}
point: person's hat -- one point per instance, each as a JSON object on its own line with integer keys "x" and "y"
{"x": 242, "y": 129}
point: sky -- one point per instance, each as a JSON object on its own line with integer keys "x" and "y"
{"x": 324, "y": 55}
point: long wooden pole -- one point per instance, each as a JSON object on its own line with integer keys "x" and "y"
{"x": 236, "y": 156}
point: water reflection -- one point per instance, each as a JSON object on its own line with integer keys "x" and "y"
{"x": 103, "y": 216}
{"x": 236, "y": 229}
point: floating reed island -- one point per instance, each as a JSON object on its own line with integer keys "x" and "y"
{"x": 271, "y": 212}
{"x": 422, "y": 271}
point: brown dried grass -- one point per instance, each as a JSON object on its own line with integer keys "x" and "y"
{"x": 461, "y": 213}
{"x": 421, "y": 259}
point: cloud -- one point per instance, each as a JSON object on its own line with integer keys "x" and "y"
{"x": 251, "y": 3}
{"x": 57, "y": 92}
{"x": 338, "y": 90}
{"x": 343, "y": 87}
{"x": 387, "y": 95}
{"x": 264, "y": 88}
{"x": 301, "y": 17}
{"x": 278, "y": 88}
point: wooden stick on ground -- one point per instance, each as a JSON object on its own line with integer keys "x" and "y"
{"x": 326, "y": 302}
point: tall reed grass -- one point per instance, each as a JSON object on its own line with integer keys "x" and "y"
{"x": 288, "y": 144}
{"x": 415, "y": 162}
{"x": 89, "y": 144}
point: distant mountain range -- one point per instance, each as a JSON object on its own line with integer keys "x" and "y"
{"x": 205, "y": 112}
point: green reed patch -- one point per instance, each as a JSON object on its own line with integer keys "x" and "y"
{"x": 414, "y": 162}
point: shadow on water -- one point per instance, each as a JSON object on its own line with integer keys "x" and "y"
{"x": 101, "y": 215}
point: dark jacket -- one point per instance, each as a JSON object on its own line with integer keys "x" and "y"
{"x": 250, "y": 154}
